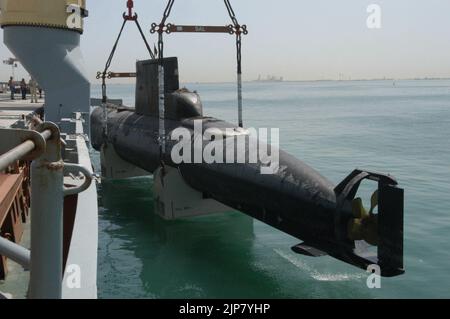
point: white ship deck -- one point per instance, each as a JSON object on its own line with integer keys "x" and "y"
{"x": 83, "y": 243}
{"x": 12, "y": 111}
{"x": 11, "y": 114}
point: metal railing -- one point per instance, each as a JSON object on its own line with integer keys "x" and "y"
{"x": 22, "y": 150}
{"x": 45, "y": 257}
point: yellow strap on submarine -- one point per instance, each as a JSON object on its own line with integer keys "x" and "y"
{"x": 61, "y": 14}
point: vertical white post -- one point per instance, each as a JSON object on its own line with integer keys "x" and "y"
{"x": 47, "y": 222}
{"x": 105, "y": 119}
{"x": 239, "y": 80}
{"x": 162, "y": 115}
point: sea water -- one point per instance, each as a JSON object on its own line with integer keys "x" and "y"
{"x": 400, "y": 128}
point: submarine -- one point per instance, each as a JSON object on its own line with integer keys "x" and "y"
{"x": 295, "y": 199}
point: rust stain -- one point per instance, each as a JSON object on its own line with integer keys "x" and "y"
{"x": 14, "y": 206}
{"x": 53, "y": 166}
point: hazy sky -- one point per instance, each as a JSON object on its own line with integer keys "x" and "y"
{"x": 297, "y": 39}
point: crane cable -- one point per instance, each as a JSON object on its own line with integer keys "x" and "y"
{"x": 239, "y": 32}
{"x": 126, "y": 17}
{"x": 166, "y": 15}
{"x": 236, "y": 28}
{"x": 161, "y": 84}
{"x": 103, "y": 75}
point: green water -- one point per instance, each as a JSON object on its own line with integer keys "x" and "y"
{"x": 335, "y": 127}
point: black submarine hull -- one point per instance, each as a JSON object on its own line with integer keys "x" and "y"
{"x": 295, "y": 198}
{"x": 295, "y": 193}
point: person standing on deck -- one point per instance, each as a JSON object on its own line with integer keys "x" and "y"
{"x": 33, "y": 90}
{"x": 23, "y": 89}
{"x": 12, "y": 87}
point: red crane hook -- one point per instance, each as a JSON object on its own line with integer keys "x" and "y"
{"x": 130, "y": 16}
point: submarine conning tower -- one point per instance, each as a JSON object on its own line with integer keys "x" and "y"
{"x": 45, "y": 36}
{"x": 179, "y": 103}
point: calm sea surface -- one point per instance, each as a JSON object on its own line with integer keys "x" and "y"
{"x": 335, "y": 127}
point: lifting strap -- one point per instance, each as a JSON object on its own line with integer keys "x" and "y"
{"x": 161, "y": 81}
{"x": 234, "y": 28}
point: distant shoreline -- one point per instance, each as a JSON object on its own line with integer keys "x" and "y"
{"x": 305, "y": 81}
